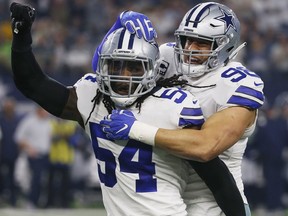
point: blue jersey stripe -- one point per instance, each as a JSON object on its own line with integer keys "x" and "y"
{"x": 238, "y": 100}
{"x": 252, "y": 92}
{"x": 191, "y": 112}
{"x": 194, "y": 117}
{"x": 190, "y": 122}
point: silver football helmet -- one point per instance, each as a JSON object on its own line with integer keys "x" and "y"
{"x": 211, "y": 22}
{"x": 126, "y": 67}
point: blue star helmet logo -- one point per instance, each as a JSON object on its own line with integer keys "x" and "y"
{"x": 228, "y": 19}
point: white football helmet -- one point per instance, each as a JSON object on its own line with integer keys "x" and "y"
{"x": 126, "y": 67}
{"x": 213, "y": 22}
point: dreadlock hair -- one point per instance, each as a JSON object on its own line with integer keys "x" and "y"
{"x": 110, "y": 105}
{"x": 168, "y": 82}
{"x": 177, "y": 80}
{"x": 172, "y": 81}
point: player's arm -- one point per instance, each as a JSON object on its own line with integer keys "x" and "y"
{"x": 123, "y": 125}
{"x": 221, "y": 183}
{"x": 219, "y": 132}
{"x": 54, "y": 97}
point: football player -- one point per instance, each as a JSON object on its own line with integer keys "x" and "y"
{"x": 207, "y": 41}
{"x": 136, "y": 179}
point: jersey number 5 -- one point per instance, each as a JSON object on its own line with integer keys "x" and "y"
{"x": 144, "y": 166}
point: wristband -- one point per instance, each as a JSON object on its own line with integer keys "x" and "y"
{"x": 143, "y": 132}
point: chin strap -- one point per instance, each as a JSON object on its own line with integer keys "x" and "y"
{"x": 236, "y": 51}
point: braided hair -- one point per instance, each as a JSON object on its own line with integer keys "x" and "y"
{"x": 175, "y": 80}
{"x": 110, "y": 105}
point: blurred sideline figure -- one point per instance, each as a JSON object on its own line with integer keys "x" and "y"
{"x": 33, "y": 136}
{"x": 61, "y": 157}
{"x": 9, "y": 151}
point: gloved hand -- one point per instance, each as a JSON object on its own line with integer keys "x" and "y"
{"x": 22, "y": 17}
{"x": 118, "y": 124}
{"x": 135, "y": 23}
{"x": 138, "y": 23}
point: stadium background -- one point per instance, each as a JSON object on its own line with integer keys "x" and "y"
{"x": 66, "y": 33}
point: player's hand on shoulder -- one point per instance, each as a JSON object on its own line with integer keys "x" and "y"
{"x": 22, "y": 17}
{"x": 138, "y": 23}
{"x": 118, "y": 124}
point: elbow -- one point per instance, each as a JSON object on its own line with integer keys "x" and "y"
{"x": 210, "y": 147}
{"x": 23, "y": 87}
{"x": 206, "y": 156}
{"x": 207, "y": 153}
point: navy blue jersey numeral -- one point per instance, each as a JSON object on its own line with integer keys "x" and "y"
{"x": 237, "y": 74}
{"x": 91, "y": 78}
{"x": 142, "y": 165}
{"x": 178, "y": 95}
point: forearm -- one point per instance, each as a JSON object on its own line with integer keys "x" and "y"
{"x": 36, "y": 85}
{"x": 219, "y": 132}
{"x": 220, "y": 181}
{"x": 27, "y": 74}
{"x": 188, "y": 143}
{"x": 185, "y": 143}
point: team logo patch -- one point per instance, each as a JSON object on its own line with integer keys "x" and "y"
{"x": 163, "y": 67}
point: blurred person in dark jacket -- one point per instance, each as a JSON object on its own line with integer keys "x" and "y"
{"x": 271, "y": 140}
{"x": 9, "y": 120}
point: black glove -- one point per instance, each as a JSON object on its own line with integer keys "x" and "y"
{"x": 22, "y": 17}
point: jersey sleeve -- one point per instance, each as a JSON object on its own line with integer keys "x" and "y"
{"x": 87, "y": 79}
{"x": 238, "y": 86}
{"x": 86, "y": 89}
{"x": 182, "y": 106}
{"x": 191, "y": 114}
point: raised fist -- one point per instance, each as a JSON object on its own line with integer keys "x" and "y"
{"x": 22, "y": 17}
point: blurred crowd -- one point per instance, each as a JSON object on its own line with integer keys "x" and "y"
{"x": 66, "y": 33}
{"x": 45, "y": 162}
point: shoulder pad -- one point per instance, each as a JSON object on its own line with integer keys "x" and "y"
{"x": 238, "y": 86}
{"x": 191, "y": 113}
{"x": 87, "y": 78}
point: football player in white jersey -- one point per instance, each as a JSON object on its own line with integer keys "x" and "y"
{"x": 207, "y": 41}
{"x": 136, "y": 179}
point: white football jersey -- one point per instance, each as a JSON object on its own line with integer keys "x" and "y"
{"x": 232, "y": 85}
{"x": 138, "y": 179}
